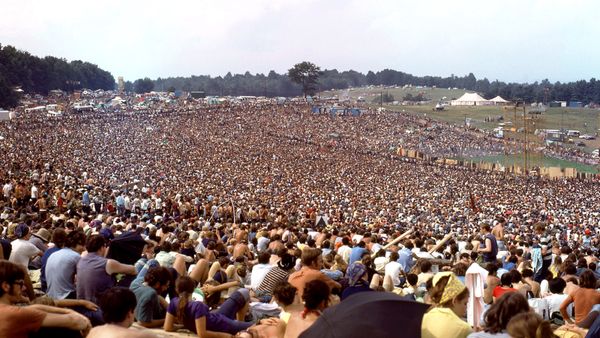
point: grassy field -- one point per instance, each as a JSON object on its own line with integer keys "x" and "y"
{"x": 535, "y": 160}
{"x": 582, "y": 119}
{"x": 369, "y": 94}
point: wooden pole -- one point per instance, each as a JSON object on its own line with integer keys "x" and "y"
{"x": 444, "y": 240}
{"x": 396, "y": 240}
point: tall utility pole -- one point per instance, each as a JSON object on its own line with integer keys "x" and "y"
{"x": 525, "y": 131}
{"x": 381, "y": 99}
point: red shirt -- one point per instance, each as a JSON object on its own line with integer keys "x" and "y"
{"x": 499, "y": 291}
{"x": 17, "y": 322}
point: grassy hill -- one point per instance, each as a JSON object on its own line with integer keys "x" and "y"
{"x": 370, "y": 93}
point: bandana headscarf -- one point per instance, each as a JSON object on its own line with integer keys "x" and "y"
{"x": 453, "y": 288}
{"x": 355, "y": 272}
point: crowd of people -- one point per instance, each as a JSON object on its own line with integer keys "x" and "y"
{"x": 254, "y": 218}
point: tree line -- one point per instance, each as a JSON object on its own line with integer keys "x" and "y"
{"x": 274, "y": 84}
{"x": 40, "y": 75}
{"x": 19, "y": 69}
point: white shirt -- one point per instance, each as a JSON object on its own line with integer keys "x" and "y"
{"x": 392, "y": 269}
{"x": 259, "y": 271}
{"x": 7, "y": 189}
{"x": 554, "y": 302}
{"x": 380, "y": 263}
{"x": 22, "y": 251}
{"x": 344, "y": 251}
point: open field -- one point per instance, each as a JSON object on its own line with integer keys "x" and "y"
{"x": 369, "y": 94}
{"x": 534, "y": 160}
{"x": 583, "y": 119}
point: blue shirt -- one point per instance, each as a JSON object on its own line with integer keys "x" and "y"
{"x": 356, "y": 254}
{"x": 43, "y": 270}
{"x": 61, "y": 273}
{"x": 406, "y": 260}
{"x": 86, "y": 199}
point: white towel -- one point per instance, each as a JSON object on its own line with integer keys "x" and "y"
{"x": 475, "y": 281}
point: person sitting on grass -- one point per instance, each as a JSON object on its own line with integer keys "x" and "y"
{"x": 118, "y": 306}
{"x": 33, "y": 320}
{"x": 197, "y": 317}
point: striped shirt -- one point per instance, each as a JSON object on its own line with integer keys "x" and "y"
{"x": 275, "y": 276}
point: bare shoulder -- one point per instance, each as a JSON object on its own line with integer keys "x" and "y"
{"x": 114, "y": 331}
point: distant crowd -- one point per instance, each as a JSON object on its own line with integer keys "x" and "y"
{"x": 253, "y": 219}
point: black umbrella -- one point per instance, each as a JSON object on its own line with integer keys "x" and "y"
{"x": 371, "y": 315}
{"x": 127, "y": 248}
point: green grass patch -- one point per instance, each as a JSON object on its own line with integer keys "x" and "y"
{"x": 534, "y": 160}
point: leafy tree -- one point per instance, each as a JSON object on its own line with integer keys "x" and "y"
{"x": 371, "y": 78}
{"x": 144, "y": 85}
{"x": 128, "y": 86}
{"x": 8, "y": 97}
{"x": 307, "y": 75}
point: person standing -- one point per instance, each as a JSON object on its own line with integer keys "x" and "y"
{"x": 498, "y": 232}
{"x": 489, "y": 246}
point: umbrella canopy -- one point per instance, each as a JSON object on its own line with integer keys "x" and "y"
{"x": 370, "y": 314}
{"x": 127, "y": 248}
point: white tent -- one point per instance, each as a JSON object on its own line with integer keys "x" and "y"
{"x": 470, "y": 99}
{"x": 498, "y": 100}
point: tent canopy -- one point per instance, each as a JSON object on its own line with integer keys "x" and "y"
{"x": 470, "y": 99}
{"x": 498, "y": 99}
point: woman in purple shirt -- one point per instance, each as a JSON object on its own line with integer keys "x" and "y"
{"x": 196, "y": 316}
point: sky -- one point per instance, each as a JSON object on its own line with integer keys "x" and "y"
{"x": 508, "y": 40}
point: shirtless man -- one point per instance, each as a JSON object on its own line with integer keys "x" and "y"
{"x": 498, "y": 232}
{"x": 241, "y": 234}
{"x": 241, "y": 250}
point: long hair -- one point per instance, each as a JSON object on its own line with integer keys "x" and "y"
{"x": 185, "y": 287}
{"x": 505, "y": 308}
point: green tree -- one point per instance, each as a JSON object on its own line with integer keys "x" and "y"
{"x": 144, "y": 85}
{"x": 8, "y": 97}
{"x": 307, "y": 75}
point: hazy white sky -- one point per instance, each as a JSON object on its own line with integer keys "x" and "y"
{"x": 509, "y": 40}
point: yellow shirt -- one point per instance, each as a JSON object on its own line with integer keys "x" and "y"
{"x": 442, "y": 322}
